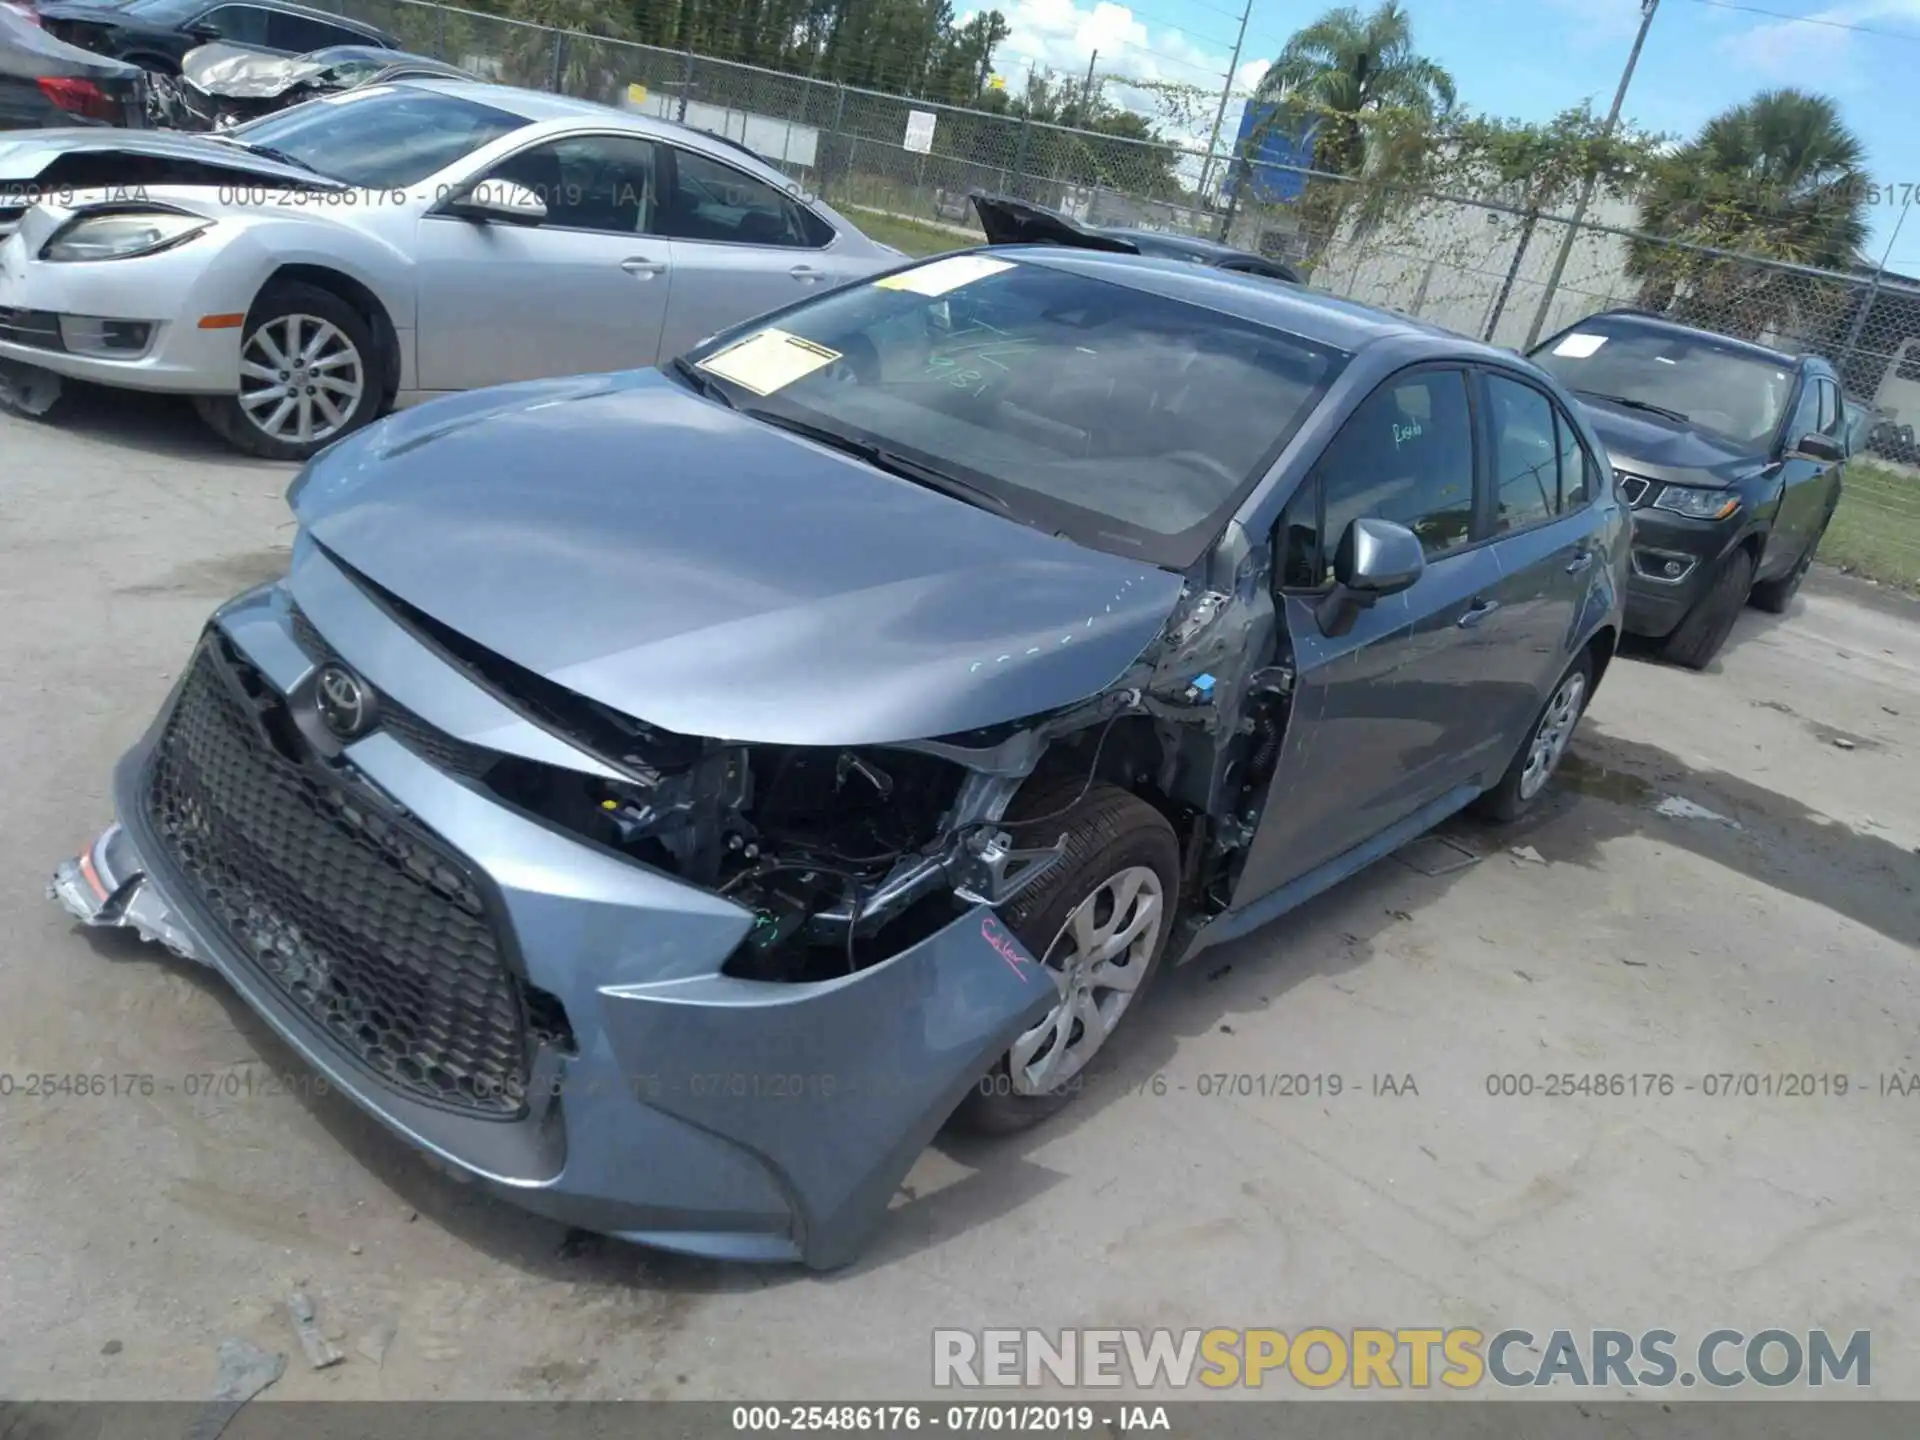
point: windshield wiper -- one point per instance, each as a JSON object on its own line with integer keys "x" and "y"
{"x": 700, "y": 381}
{"x": 1633, "y": 404}
{"x": 883, "y": 459}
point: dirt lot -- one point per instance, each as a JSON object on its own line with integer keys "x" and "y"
{"x": 136, "y": 1233}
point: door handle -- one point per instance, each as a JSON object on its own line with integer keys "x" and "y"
{"x": 806, "y": 274}
{"x": 642, "y": 268}
{"x": 1477, "y": 612}
{"x": 1581, "y": 560}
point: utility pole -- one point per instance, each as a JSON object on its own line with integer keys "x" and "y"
{"x": 1226, "y": 92}
{"x": 1086, "y": 94}
{"x": 1647, "y": 7}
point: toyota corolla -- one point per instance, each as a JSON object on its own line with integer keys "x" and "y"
{"x": 671, "y": 796}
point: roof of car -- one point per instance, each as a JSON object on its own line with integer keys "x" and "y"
{"x": 1655, "y": 321}
{"x": 1324, "y": 319}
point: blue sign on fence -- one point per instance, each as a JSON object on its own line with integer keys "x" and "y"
{"x": 1277, "y": 150}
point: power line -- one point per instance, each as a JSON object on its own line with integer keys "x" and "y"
{"x": 1809, "y": 20}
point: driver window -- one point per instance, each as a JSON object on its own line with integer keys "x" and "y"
{"x": 242, "y": 24}
{"x": 1405, "y": 455}
{"x": 588, "y": 182}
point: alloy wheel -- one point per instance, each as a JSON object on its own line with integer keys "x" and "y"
{"x": 1098, "y": 960}
{"x": 1551, "y": 735}
{"x": 301, "y": 379}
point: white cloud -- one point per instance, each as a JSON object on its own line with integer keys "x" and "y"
{"x": 1787, "y": 50}
{"x": 1596, "y": 22}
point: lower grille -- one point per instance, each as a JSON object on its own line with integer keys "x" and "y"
{"x": 38, "y": 328}
{"x": 370, "y": 925}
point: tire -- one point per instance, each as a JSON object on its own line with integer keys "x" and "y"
{"x": 1120, "y": 850}
{"x": 1540, "y": 754}
{"x": 331, "y": 333}
{"x": 1774, "y": 596}
{"x": 1699, "y": 636}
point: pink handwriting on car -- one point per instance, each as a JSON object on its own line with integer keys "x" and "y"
{"x": 1003, "y": 944}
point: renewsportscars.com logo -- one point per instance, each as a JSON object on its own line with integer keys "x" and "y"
{"x": 1321, "y": 1357}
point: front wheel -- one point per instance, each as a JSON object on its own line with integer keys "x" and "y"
{"x": 1099, "y": 924}
{"x": 309, "y": 374}
{"x": 1774, "y": 596}
{"x": 1698, "y": 638}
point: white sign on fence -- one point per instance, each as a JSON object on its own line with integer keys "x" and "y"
{"x": 919, "y": 132}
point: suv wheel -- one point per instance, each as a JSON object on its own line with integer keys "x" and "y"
{"x": 1774, "y": 596}
{"x": 1100, "y": 923}
{"x": 1546, "y": 744}
{"x": 1698, "y": 638}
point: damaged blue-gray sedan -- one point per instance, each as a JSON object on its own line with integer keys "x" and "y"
{"x": 670, "y": 797}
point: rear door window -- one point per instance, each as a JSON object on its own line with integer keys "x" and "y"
{"x": 244, "y": 24}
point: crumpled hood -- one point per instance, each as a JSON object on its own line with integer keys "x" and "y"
{"x": 1667, "y": 450}
{"x": 708, "y": 574}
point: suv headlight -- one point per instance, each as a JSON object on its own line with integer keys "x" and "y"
{"x": 122, "y": 235}
{"x": 1697, "y": 504}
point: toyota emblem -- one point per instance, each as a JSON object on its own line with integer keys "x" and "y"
{"x": 343, "y": 701}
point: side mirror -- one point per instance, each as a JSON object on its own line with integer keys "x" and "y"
{"x": 1375, "y": 558}
{"x": 1820, "y": 447}
{"x": 500, "y": 200}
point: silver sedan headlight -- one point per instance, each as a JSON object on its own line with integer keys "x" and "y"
{"x": 1697, "y": 504}
{"x": 121, "y": 235}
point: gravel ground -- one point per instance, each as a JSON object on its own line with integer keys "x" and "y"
{"x": 1776, "y": 933}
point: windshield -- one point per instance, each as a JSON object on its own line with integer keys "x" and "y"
{"x": 380, "y": 139}
{"x": 1129, "y": 422}
{"x": 1720, "y": 388}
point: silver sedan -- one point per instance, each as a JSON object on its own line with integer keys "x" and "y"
{"x": 299, "y": 275}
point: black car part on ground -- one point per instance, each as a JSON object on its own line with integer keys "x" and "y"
{"x": 44, "y": 81}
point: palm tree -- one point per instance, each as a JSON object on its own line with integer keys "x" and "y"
{"x": 1369, "y": 98}
{"x": 1779, "y": 176}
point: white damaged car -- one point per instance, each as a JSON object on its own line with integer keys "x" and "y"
{"x": 301, "y": 274}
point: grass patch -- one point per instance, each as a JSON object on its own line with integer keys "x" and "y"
{"x": 1876, "y": 530}
{"x": 916, "y": 237}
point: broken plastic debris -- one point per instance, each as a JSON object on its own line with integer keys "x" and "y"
{"x": 1842, "y": 743}
{"x": 1528, "y": 854}
{"x": 241, "y": 1371}
{"x": 27, "y": 388}
{"x": 1677, "y": 807}
{"x": 320, "y": 1351}
{"x": 374, "y": 1343}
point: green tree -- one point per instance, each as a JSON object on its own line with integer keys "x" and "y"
{"x": 1372, "y": 103}
{"x": 1778, "y": 176}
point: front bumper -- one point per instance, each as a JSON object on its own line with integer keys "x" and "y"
{"x": 169, "y": 290}
{"x": 1657, "y": 602}
{"x": 691, "y": 1111}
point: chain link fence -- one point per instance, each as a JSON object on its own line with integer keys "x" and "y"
{"x": 1473, "y": 264}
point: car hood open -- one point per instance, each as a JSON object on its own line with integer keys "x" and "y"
{"x": 1008, "y": 221}
{"x": 1668, "y": 450}
{"x": 80, "y": 158}
{"x": 706, "y": 573}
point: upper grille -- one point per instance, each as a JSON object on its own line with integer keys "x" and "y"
{"x": 1632, "y": 487}
{"x": 432, "y": 744}
{"x": 373, "y": 927}
{"x": 38, "y": 328}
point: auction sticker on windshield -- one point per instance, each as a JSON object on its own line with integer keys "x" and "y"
{"x": 769, "y": 360}
{"x": 944, "y": 275}
{"x": 1579, "y": 347}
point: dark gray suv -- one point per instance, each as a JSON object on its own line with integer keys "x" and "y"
{"x": 669, "y": 797}
{"x": 1730, "y": 454}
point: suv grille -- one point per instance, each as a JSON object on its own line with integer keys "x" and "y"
{"x": 370, "y": 925}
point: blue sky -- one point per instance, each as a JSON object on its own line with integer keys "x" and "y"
{"x": 1531, "y": 58}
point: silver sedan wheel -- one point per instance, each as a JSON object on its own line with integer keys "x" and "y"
{"x": 301, "y": 379}
{"x": 1098, "y": 960}
{"x": 1551, "y": 736}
